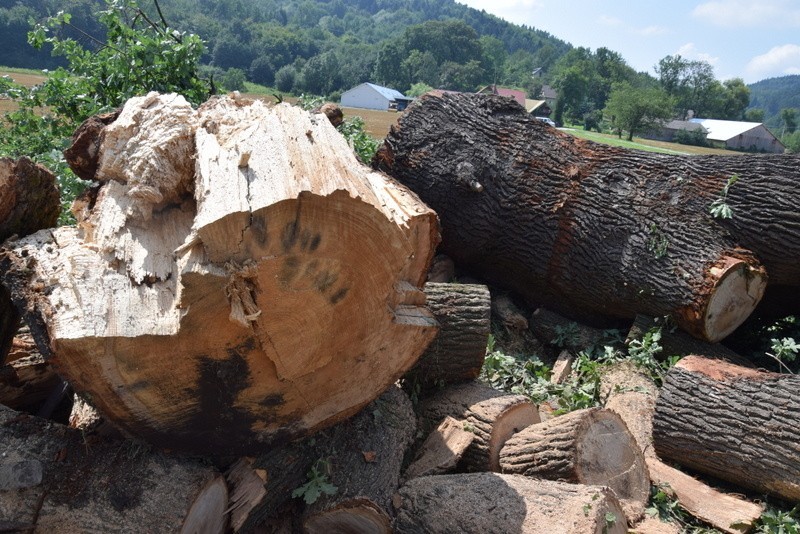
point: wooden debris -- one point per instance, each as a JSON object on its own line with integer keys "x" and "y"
{"x": 442, "y": 450}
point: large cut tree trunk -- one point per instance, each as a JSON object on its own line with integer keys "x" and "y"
{"x": 598, "y": 231}
{"x": 240, "y": 278}
{"x": 490, "y": 502}
{"x": 734, "y": 423}
{"x": 53, "y": 480}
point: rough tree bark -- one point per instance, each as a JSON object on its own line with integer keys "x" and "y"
{"x": 632, "y": 395}
{"x": 240, "y": 278}
{"x": 53, "y": 480}
{"x": 598, "y": 231}
{"x": 591, "y": 446}
{"x": 29, "y": 201}
{"x": 499, "y": 504}
{"x": 365, "y": 455}
{"x": 457, "y": 353}
{"x": 494, "y": 416}
{"x": 731, "y": 422}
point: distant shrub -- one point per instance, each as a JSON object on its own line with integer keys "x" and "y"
{"x": 285, "y": 78}
{"x": 234, "y": 80}
{"x": 693, "y": 138}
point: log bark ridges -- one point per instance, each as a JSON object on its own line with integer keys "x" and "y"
{"x": 457, "y": 352}
{"x": 752, "y": 439}
{"x": 632, "y": 394}
{"x": 257, "y": 220}
{"x": 592, "y": 231}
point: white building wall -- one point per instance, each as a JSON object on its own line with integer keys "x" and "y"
{"x": 365, "y": 97}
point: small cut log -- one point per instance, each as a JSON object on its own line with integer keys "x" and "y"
{"x": 734, "y": 423}
{"x": 478, "y": 503}
{"x": 593, "y": 231}
{"x": 492, "y": 415}
{"x": 240, "y": 279}
{"x": 54, "y": 481}
{"x": 591, "y": 446}
{"x": 457, "y": 353}
{"x": 632, "y": 395}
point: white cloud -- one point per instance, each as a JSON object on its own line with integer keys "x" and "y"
{"x": 689, "y": 51}
{"x": 749, "y": 14}
{"x": 607, "y": 20}
{"x": 650, "y": 31}
{"x": 779, "y": 61}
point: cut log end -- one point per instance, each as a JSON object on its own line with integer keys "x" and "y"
{"x": 737, "y": 288}
{"x": 353, "y": 516}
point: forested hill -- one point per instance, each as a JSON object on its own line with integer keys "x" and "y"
{"x": 326, "y": 46}
{"x": 775, "y": 94}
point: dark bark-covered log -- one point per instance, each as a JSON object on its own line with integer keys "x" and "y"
{"x": 442, "y": 270}
{"x": 457, "y": 353}
{"x": 241, "y": 278}
{"x": 59, "y": 482}
{"x": 632, "y": 394}
{"x": 29, "y": 198}
{"x": 494, "y": 416}
{"x": 442, "y": 450}
{"x": 675, "y": 342}
{"x": 591, "y": 446}
{"x": 364, "y": 456}
{"x": 26, "y": 382}
{"x": 491, "y": 503}
{"x": 507, "y": 313}
{"x": 84, "y": 151}
{"x": 360, "y": 456}
{"x": 29, "y": 201}
{"x": 731, "y": 422}
{"x": 593, "y": 230}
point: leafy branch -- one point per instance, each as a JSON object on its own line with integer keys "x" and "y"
{"x": 720, "y": 209}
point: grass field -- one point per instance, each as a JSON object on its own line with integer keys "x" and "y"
{"x": 26, "y": 77}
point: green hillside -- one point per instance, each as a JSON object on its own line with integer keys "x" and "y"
{"x": 322, "y": 46}
{"x": 774, "y": 94}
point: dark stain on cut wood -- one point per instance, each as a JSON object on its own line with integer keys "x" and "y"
{"x": 219, "y": 383}
{"x": 290, "y": 235}
{"x": 339, "y": 295}
{"x": 324, "y": 280}
{"x": 289, "y": 269}
{"x": 258, "y": 229}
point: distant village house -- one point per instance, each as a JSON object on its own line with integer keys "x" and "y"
{"x": 371, "y": 96}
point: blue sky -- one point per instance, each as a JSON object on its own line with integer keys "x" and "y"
{"x": 752, "y": 40}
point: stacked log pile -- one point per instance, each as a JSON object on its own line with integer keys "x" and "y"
{"x": 239, "y": 287}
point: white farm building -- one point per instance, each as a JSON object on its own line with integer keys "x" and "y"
{"x": 371, "y": 96}
{"x": 738, "y": 135}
